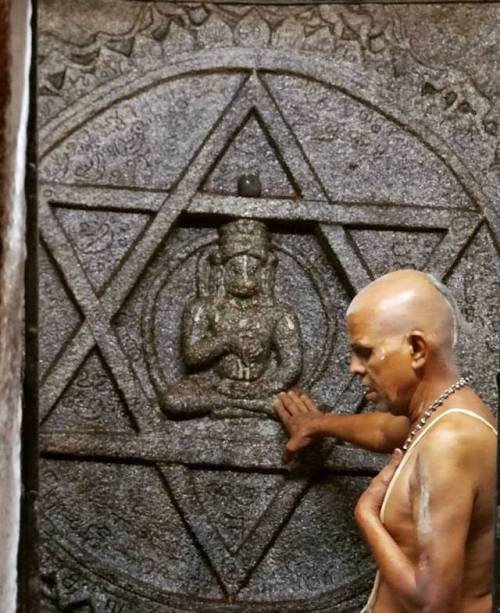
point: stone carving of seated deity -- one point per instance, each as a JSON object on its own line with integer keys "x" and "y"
{"x": 239, "y": 343}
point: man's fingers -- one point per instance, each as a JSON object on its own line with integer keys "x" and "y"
{"x": 299, "y": 406}
{"x": 280, "y": 409}
{"x": 388, "y": 471}
{"x": 288, "y": 402}
{"x": 293, "y": 445}
{"x": 309, "y": 403}
{"x": 290, "y": 450}
{"x": 278, "y": 402}
{"x": 397, "y": 456}
{"x": 289, "y": 406}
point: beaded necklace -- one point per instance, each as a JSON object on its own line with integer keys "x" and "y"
{"x": 437, "y": 403}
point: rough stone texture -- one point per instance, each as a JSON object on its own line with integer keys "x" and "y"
{"x": 13, "y": 115}
{"x": 375, "y": 133}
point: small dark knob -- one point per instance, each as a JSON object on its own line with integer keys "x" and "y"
{"x": 249, "y": 186}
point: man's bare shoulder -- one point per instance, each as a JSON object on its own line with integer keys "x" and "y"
{"x": 462, "y": 436}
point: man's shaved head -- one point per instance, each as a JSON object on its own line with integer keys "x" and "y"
{"x": 450, "y": 299}
{"x": 402, "y": 330}
{"x": 405, "y": 301}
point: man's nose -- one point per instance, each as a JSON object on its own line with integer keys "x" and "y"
{"x": 356, "y": 366}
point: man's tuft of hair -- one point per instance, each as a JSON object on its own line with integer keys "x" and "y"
{"x": 460, "y": 326}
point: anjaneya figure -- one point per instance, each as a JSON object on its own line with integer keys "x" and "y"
{"x": 242, "y": 345}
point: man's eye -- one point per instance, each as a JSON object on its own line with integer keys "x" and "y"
{"x": 363, "y": 352}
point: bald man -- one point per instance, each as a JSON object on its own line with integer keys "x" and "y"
{"x": 428, "y": 516}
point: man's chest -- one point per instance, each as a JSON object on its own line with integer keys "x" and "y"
{"x": 398, "y": 515}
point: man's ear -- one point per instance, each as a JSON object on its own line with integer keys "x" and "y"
{"x": 419, "y": 348}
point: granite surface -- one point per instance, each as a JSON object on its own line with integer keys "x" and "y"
{"x": 374, "y": 133}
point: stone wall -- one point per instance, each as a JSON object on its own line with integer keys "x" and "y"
{"x": 374, "y": 133}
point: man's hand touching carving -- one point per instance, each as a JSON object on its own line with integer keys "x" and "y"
{"x": 299, "y": 414}
{"x": 304, "y": 422}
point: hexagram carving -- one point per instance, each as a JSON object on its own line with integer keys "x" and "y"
{"x": 229, "y": 508}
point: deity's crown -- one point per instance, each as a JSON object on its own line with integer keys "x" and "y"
{"x": 244, "y": 237}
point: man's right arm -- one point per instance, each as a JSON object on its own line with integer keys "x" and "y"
{"x": 377, "y": 431}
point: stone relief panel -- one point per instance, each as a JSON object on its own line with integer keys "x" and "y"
{"x": 80, "y": 52}
{"x": 252, "y": 150}
{"x": 477, "y": 296}
{"x": 216, "y": 182}
{"x": 396, "y": 248}
{"x": 91, "y": 402}
{"x": 102, "y": 240}
{"x": 55, "y": 297}
{"x": 361, "y": 156}
{"x": 241, "y": 343}
{"x": 146, "y": 141}
{"x": 299, "y": 325}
